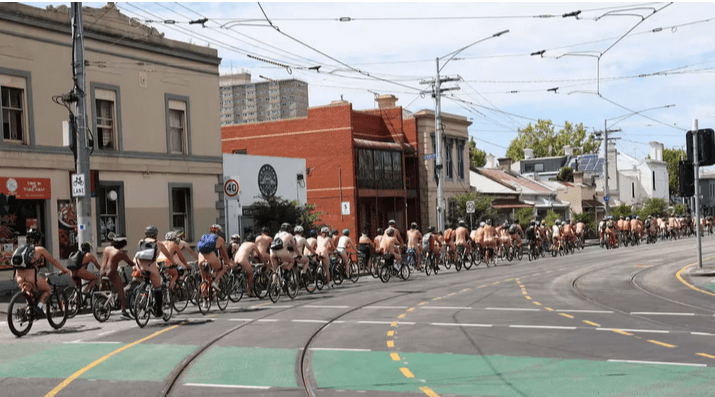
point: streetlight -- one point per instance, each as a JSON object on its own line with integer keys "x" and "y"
{"x": 438, "y": 122}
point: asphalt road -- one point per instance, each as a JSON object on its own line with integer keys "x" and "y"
{"x": 625, "y": 322}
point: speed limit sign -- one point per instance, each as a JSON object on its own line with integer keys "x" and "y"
{"x": 230, "y": 188}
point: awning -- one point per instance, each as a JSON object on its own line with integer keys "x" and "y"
{"x": 368, "y": 144}
{"x": 509, "y": 203}
{"x": 591, "y": 204}
{"x": 545, "y": 204}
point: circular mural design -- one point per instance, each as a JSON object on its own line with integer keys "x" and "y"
{"x": 267, "y": 180}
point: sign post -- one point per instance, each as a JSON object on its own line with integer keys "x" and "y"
{"x": 78, "y": 187}
{"x": 232, "y": 210}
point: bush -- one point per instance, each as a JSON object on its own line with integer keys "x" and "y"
{"x": 587, "y": 218}
{"x": 622, "y": 210}
{"x": 524, "y": 215}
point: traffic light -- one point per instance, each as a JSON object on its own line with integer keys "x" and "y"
{"x": 686, "y": 177}
{"x": 706, "y": 146}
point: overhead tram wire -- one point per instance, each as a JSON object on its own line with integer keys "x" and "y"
{"x": 642, "y": 115}
{"x": 490, "y": 103}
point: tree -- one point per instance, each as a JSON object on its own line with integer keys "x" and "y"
{"x": 551, "y": 217}
{"x": 477, "y": 157}
{"x": 565, "y": 175}
{"x": 653, "y": 206}
{"x": 272, "y": 211}
{"x": 672, "y": 156}
{"x": 482, "y": 208}
{"x": 545, "y": 141}
{"x": 622, "y": 210}
{"x": 524, "y": 215}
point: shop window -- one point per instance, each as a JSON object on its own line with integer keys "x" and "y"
{"x": 181, "y": 208}
{"x": 14, "y": 109}
{"x": 110, "y": 210}
{"x": 178, "y": 130}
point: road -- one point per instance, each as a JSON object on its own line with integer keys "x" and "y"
{"x": 625, "y": 322}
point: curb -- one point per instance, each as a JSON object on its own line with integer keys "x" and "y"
{"x": 704, "y": 272}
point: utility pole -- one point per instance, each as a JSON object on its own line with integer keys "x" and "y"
{"x": 696, "y": 174}
{"x": 84, "y": 203}
{"x": 438, "y": 144}
{"x": 605, "y": 165}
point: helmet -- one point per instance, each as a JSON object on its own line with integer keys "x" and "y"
{"x": 325, "y": 229}
{"x": 151, "y": 231}
{"x": 285, "y": 226}
{"x": 346, "y": 232}
{"x": 313, "y": 233}
{"x": 621, "y": 218}
{"x": 119, "y": 242}
{"x": 298, "y": 229}
{"x": 391, "y": 222}
{"x": 506, "y": 222}
{"x": 86, "y": 246}
{"x": 628, "y": 218}
{"x": 431, "y": 229}
{"x": 462, "y": 223}
{"x": 638, "y": 217}
{"x": 251, "y": 238}
{"x": 390, "y": 232}
{"x": 380, "y": 231}
{"x": 482, "y": 224}
{"x": 179, "y": 233}
{"x": 532, "y": 222}
{"x": 34, "y": 234}
{"x": 335, "y": 232}
{"x": 265, "y": 230}
{"x": 235, "y": 237}
{"x": 171, "y": 236}
{"x": 413, "y": 225}
{"x": 216, "y": 229}
{"x": 489, "y": 222}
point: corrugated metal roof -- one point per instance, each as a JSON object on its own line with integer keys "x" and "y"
{"x": 514, "y": 181}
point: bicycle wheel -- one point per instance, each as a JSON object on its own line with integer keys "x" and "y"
{"x": 385, "y": 273}
{"x": 309, "y": 280}
{"x": 167, "y": 308}
{"x": 519, "y": 252}
{"x": 274, "y": 291}
{"x": 404, "y": 272}
{"x": 260, "y": 285}
{"x": 19, "y": 315}
{"x": 458, "y": 263}
{"x": 319, "y": 277}
{"x": 57, "y": 309}
{"x": 142, "y": 306}
{"x": 292, "y": 285}
{"x": 74, "y": 301}
{"x": 236, "y": 287}
{"x": 530, "y": 253}
{"x": 100, "y": 309}
{"x": 222, "y": 295}
{"x": 447, "y": 263}
{"x": 375, "y": 268}
{"x": 192, "y": 287}
{"x": 354, "y": 272}
{"x": 180, "y": 296}
{"x": 204, "y": 302}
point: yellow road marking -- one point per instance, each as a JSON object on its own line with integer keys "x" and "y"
{"x": 528, "y": 297}
{"x": 395, "y": 356}
{"x": 100, "y": 360}
{"x": 690, "y": 285}
{"x": 591, "y": 323}
{"x": 536, "y": 303}
{"x": 618, "y": 331}
{"x": 411, "y": 309}
{"x": 391, "y": 333}
{"x": 706, "y": 355}
{"x": 481, "y": 286}
{"x": 401, "y": 315}
{"x": 422, "y": 303}
{"x": 661, "y": 343}
{"x": 393, "y": 324}
{"x": 390, "y": 343}
{"x": 426, "y": 390}
{"x": 509, "y": 279}
{"x": 437, "y": 298}
{"x": 407, "y": 372}
{"x": 496, "y": 282}
{"x": 565, "y": 315}
{"x": 524, "y": 292}
{"x": 549, "y": 309}
{"x": 465, "y": 290}
{"x": 537, "y": 274}
{"x": 453, "y": 293}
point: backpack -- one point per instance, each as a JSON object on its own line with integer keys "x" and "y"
{"x": 75, "y": 260}
{"x": 647, "y": 223}
{"x": 277, "y": 244}
{"x": 207, "y": 243}
{"x": 425, "y": 241}
{"x": 23, "y": 257}
{"x": 147, "y": 251}
{"x": 513, "y": 229}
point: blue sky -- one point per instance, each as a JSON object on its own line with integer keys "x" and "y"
{"x": 666, "y": 59}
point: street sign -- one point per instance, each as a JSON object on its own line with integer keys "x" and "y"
{"x": 231, "y": 188}
{"x": 345, "y": 208}
{"x": 78, "y": 189}
{"x": 606, "y": 198}
{"x": 470, "y": 207}
{"x": 430, "y": 156}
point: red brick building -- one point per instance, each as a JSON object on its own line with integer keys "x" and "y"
{"x": 360, "y": 157}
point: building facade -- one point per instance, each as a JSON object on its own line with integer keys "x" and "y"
{"x": 638, "y": 180}
{"x": 156, "y": 146}
{"x": 360, "y": 166}
{"x": 244, "y": 101}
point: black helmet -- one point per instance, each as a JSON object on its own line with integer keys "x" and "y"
{"x": 413, "y": 225}
{"x": 462, "y": 223}
{"x": 251, "y": 238}
{"x": 285, "y": 226}
{"x": 151, "y": 231}
{"x": 431, "y": 229}
{"x": 265, "y": 230}
{"x": 489, "y": 222}
{"x": 86, "y": 246}
{"x": 391, "y": 222}
{"x": 34, "y": 235}
{"x": 380, "y": 231}
{"x": 390, "y": 232}
{"x": 119, "y": 242}
{"x": 335, "y": 232}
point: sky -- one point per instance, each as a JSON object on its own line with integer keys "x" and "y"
{"x": 600, "y": 67}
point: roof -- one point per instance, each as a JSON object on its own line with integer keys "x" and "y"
{"x": 484, "y": 184}
{"x": 514, "y": 181}
{"x": 509, "y": 203}
{"x": 368, "y": 144}
{"x": 544, "y": 203}
{"x": 591, "y": 204}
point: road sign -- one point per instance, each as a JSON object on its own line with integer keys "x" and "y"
{"x": 606, "y": 198}
{"x": 470, "y": 207}
{"x": 430, "y": 156}
{"x": 231, "y": 188}
{"x": 345, "y": 208}
{"x": 78, "y": 189}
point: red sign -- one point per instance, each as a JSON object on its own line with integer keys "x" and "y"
{"x": 26, "y": 188}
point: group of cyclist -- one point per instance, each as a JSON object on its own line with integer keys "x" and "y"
{"x": 632, "y": 229}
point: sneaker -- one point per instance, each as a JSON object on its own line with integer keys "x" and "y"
{"x": 126, "y": 315}
{"x": 40, "y": 313}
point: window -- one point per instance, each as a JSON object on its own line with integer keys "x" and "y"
{"x": 180, "y": 208}
{"x": 460, "y": 160}
{"x": 110, "y": 210}
{"x": 654, "y": 180}
{"x": 178, "y": 125}
{"x": 14, "y": 108}
{"x": 449, "y": 166}
{"x": 379, "y": 169}
{"x": 633, "y": 189}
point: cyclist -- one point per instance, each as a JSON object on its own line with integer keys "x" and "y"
{"x": 147, "y": 244}
{"x": 556, "y": 234}
{"x": 217, "y": 258}
{"x": 568, "y": 232}
{"x": 325, "y": 247}
{"x": 430, "y": 244}
{"x": 264, "y": 242}
{"x": 504, "y": 238}
{"x": 183, "y": 245}
{"x": 637, "y": 227}
{"x": 610, "y": 231}
{"x": 414, "y": 237}
{"x": 391, "y": 225}
{"x": 111, "y": 256}
{"x": 378, "y": 238}
{"x": 287, "y": 252}
{"x": 233, "y": 246}
{"x": 490, "y": 239}
{"x": 388, "y": 247}
{"x": 366, "y": 247}
{"x": 243, "y": 256}
{"x": 302, "y": 248}
{"x": 81, "y": 273}
{"x": 312, "y": 241}
{"x": 531, "y": 232}
{"x": 477, "y": 236}
{"x": 28, "y": 280}
{"x": 580, "y": 230}
{"x": 344, "y": 244}
{"x": 171, "y": 242}
{"x": 461, "y": 237}
{"x": 335, "y": 237}
{"x": 448, "y": 238}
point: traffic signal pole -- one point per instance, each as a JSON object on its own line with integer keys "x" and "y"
{"x": 696, "y": 172}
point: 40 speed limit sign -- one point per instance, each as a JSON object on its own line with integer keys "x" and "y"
{"x": 231, "y": 188}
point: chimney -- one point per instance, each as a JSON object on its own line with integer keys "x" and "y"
{"x": 505, "y": 163}
{"x": 528, "y": 154}
{"x": 386, "y": 101}
{"x": 578, "y": 177}
{"x": 656, "y": 151}
{"x": 491, "y": 163}
{"x": 568, "y": 151}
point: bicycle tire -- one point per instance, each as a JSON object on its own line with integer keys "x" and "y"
{"x": 74, "y": 301}
{"x": 167, "y": 306}
{"x": 100, "y": 310}
{"x": 204, "y": 302}
{"x": 309, "y": 280}
{"x": 519, "y": 253}
{"x": 19, "y": 315}
{"x": 236, "y": 287}
{"x": 56, "y": 309}
{"x": 319, "y": 277}
{"x": 221, "y": 296}
{"x": 447, "y": 263}
{"x": 180, "y": 296}
{"x": 337, "y": 276}
{"x": 292, "y": 285}
{"x": 468, "y": 261}
{"x": 428, "y": 266}
{"x": 142, "y": 309}
{"x": 260, "y": 285}
{"x": 354, "y": 272}
{"x": 274, "y": 291}
{"x": 458, "y": 263}
{"x": 404, "y": 272}
{"x": 385, "y": 273}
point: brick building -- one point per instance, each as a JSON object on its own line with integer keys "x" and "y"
{"x": 361, "y": 169}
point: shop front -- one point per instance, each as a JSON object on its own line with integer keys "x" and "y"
{"x": 22, "y": 206}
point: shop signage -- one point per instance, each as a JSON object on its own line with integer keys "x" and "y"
{"x": 26, "y": 188}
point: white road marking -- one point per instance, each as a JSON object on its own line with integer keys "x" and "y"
{"x": 309, "y": 321}
{"x": 518, "y": 309}
{"x": 462, "y": 325}
{"x": 701, "y": 334}
{"x": 268, "y": 320}
{"x": 446, "y": 307}
{"x": 542, "y": 327}
{"x": 656, "y": 363}
{"x": 94, "y": 342}
{"x": 385, "y": 307}
{"x": 386, "y": 322}
{"x": 337, "y": 349}
{"x": 108, "y": 332}
{"x": 228, "y": 386}
{"x": 662, "y": 314}
{"x": 278, "y": 306}
{"x": 241, "y": 319}
{"x": 645, "y": 331}
{"x": 586, "y": 311}
{"x": 325, "y": 307}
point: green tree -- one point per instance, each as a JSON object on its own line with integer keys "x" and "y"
{"x": 477, "y": 156}
{"x": 551, "y": 217}
{"x": 545, "y": 141}
{"x": 653, "y": 206}
{"x": 272, "y": 211}
{"x": 565, "y": 175}
{"x": 482, "y": 208}
{"x": 622, "y": 210}
{"x": 680, "y": 209}
{"x": 524, "y": 215}
{"x": 672, "y": 156}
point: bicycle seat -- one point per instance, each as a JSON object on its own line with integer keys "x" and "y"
{"x": 105, "y": 278}
{"x": 146, "y": 273}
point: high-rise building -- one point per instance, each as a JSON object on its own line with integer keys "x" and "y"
{"x": 244, "y": 101}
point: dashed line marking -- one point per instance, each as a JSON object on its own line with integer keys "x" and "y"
{"x": 437, "y": 298}
{"x": 446, "y": 308}
{"x": 525, "y": 309}
{"x": 542, "y": 327}
{"x": 407, "y": 372}
{"x": 461, "y": 325}
{"x": 338, "y": 349}
{"x": 645, "y": 331}
{"x": 702, "y": 334}
{"x": 227, "y": 386}
{"x": 536, "y": 303}
{"x": 401, "y": 316}
{"x": 656, "y": 363}
{"x": 661, "y": 343}
{"x": 323, "y": 307}
{"x": 309, "y": 321}
{"x": 390, "y": 333}
{"x": 586, "y": 311}
{"x": 528, "y": 297}
{"x": 390, "y": 343}
{"x": 618, "y": 331}
{"x": 411, "y": 309}
{"x": 422, "y": 303}
{"x": 706, "y": 355}
{"x": 393, "y": 324}
{"x": 566, "y": 315}
{"x": 549, "y": 309}
{"x": 524, "y": 292}
{"x": 661, "y": 314}
{"x": 591, "y": 323}
{"x": 426, "y": 390}
{"x": 395, "y": 356}
{"x": 496, "y": 282}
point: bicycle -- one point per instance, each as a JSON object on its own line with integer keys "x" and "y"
{"x": 105, "y": 300}
{"x": 260, "y": 280}
{"x": 77, "y": 299}
{"x": 430, "y": 264}
{"x": 22, "y": 310}
{"x": 308, "y": 276}
{"x": 180, "y": 294}
{"x": 388, "y": 270}
{"x": 210, "y": 291}
{"x": 410, "y": 259}
{"x": 353, "y": 269}
{"x": 144, "y": 301}
{"x": 236, "y": 283}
